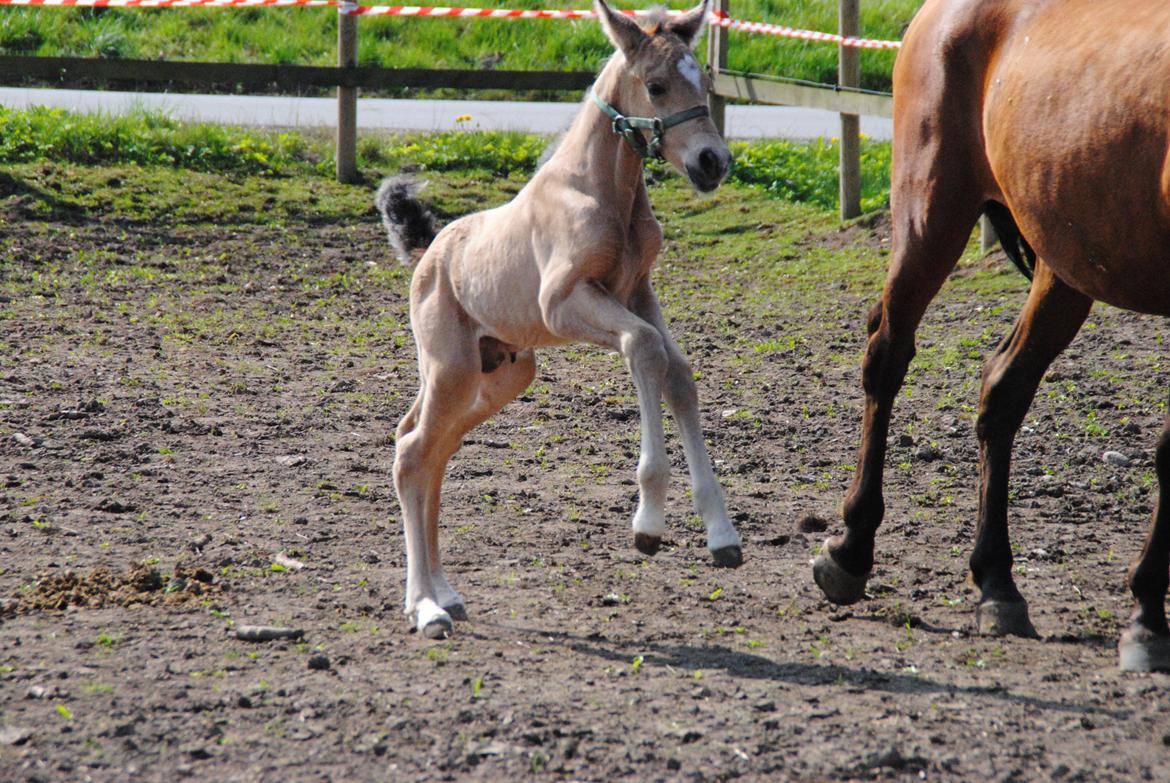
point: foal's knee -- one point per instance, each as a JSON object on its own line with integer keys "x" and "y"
{"x": 645, "y": 351}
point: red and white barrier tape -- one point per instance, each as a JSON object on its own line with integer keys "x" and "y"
{"x": 352, "y": 9}
{"x": 716, "y": 18}
{"x": 168, "y": 3}
{"x": 763, "y": 28}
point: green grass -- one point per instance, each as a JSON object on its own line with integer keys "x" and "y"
{"x": 793, "y": 171}
{"x": 308, "y": 36}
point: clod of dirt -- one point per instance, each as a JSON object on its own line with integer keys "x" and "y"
{"x": 14, "y": 735}
{"x": 812, "y": 524}
{"x": 25, "y": 440}
{"x": 927, "y": 453}
{"x": 140, "y": 585}
{"x": 266, "y": 633}
{"x": 112, "y": 506}
{"x": 319, "y": 663}
{"x": 1116, "y": 458}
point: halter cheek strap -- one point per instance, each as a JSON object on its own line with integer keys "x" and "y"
{"x": 630, "y": 128}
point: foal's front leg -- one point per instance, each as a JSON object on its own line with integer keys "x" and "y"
{"x": 587, "y": 313}
{"x": 683, "y": 399}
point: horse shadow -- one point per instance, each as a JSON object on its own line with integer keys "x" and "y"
{"x": 752, "y": 666}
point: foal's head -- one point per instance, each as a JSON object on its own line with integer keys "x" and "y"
{"x": 664, "y": 79}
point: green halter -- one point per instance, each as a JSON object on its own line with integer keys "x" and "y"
{"x": 628, "y": 127}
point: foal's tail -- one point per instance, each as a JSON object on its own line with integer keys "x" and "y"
{"x": 1010, "y": 238}
{"x": 410, "y": 226}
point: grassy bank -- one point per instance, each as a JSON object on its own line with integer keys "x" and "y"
{"x": 794, "y": 171}
{"x": 308, "y": 36}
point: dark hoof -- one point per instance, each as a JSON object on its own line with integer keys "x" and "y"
{"x": 727, "y": 557}
{"x": 439, "y": 628}
{"x": 647, "y": 544}
{"x": 838, "y": 585}
{"x": 1143, "y": 651}
{"x": 1004, "y": 618}
{"x": 458, "y": 612}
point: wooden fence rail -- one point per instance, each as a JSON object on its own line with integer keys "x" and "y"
{"x": 349, "y": 77}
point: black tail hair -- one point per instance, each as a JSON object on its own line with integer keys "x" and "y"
{"x": 1010, "y": 238}
{"x": 409, "y": 223}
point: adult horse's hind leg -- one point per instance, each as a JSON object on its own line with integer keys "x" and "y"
{"x": 1049, "y": 321}
{"x": 934, "y": 208}
{"x": 679, "y": 389}
{"x": 1145, "y": 645}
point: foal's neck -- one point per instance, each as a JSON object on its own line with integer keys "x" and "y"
{"x": 599, "y": 161}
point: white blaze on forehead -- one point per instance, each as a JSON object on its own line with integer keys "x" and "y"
{"x": 688, "y": 66}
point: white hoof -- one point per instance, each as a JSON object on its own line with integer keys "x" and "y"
{"x": 649, "y": 522}
{"x": 432, "y": 621}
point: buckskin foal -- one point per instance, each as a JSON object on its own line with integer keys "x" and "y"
{"x": 568, "y": 260}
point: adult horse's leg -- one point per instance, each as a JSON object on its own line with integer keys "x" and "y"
{"x": 934, "y": 208}
{"x": 1145, "y": 645}
{"x": 1049, "y": 321}
{"x": 683, "y": 399}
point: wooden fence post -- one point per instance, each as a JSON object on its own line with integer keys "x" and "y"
{"x": 346, "y": 100}
{"x": 849, "y": 75}
{"x": 716, "y": 62}
{"x": 987, "y": 236}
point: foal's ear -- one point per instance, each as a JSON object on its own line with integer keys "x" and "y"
{"x": 621, "y": 29}
{"x": 689, "y": 26}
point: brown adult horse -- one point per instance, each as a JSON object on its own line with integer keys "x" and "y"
{"x": 1052, "y": 116}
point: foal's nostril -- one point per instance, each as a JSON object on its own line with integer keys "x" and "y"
{"x": 710, "y": 163}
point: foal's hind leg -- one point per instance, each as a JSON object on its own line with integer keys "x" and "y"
{"x": 455, "y": 397}
{"x": 934, "y": 208}
{"x": 496, "y": 389}
{"x": 1145, "y": 645}
{"x": 1050, "y": 319}
{"x": 683, "y": 399}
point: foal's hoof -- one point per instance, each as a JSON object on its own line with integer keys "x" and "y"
{"x": 1143, "y": 651}
{"x": 727, "y": 557}
{"x": 1004, "y": 618}
{"x": 457, "y": 612}
{"x": 438, "y": 628}
{"x": 838, "y": 585}
{"x": 647, "y": 544}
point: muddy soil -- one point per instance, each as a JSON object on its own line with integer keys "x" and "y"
{"x": 196, "y": 424}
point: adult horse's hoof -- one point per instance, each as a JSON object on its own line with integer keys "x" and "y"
{"x": 1143, "y": 651}
{"x": 457, "y": 612}
{"x": 727, "y": 557}
{"x": 838, "y": 585}
{"x": 647, "y": 544}
{"x": 1004, "y": 618}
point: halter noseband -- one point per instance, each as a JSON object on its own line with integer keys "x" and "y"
{"x": 628, "y": 127}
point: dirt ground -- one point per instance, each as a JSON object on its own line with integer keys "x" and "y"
{"x": 197, "y": 403}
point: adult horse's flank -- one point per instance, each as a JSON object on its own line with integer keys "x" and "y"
{"x": 1051, "y": 115}
{"x": 568, "y": 260}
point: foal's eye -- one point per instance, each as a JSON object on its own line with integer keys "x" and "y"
{"x": 655, "y": 89}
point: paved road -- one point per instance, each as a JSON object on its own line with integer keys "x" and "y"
{"x": 743, "y": 122}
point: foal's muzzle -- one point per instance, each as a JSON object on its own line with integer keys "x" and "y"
{"x": 709, "y": 168}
